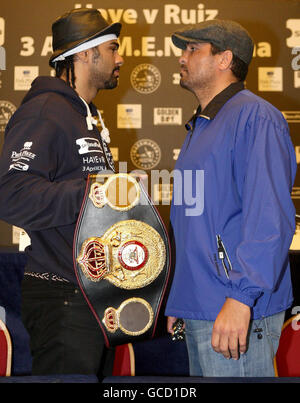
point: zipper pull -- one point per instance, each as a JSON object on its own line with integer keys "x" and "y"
{"x": 222, "y": 255}
{"x": 221, "y": 252}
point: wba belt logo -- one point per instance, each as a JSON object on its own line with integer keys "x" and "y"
{"x": 131, "y": 254}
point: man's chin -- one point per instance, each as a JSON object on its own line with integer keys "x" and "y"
{"x": 184, "y": 84}
{"x": 111, "y": 84}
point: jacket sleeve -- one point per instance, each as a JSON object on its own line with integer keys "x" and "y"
{"x": 31, "y": 196}
{"x": 268, "y": 213}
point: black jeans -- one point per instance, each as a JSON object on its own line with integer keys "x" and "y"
{"x": 65, "y": 338}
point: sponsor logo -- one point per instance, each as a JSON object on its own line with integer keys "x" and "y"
{"x": 129, "y": 116}
{"x": 18, "y": 158}
{"x": 7, "y": 109}
{"x": 145, "y": 78}
{"x": 145, "y": 154}
{"x": 270, "y": 79}
{"x": 294, "y": 39}
{"x": 167, "y": 116}
{"x": 89, "y": 145}
{"x": 94, "y": 163}
{"x": 24, "y": 75}
{"x": 291, "y": 116}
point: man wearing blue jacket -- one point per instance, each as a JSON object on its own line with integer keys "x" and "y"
{"x": 51, "y": 145}
{"x": 232, "y": 279}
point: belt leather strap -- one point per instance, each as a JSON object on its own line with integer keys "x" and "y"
{"x": 121, "y": 257}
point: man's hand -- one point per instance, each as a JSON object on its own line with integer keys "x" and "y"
{"x": 170, "y": 323}
{"x": 229, "y": 335}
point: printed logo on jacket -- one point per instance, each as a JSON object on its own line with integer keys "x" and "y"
{"x": 21, "y": 159}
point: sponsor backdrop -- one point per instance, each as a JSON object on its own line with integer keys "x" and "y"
{"x": 147, "y": 112}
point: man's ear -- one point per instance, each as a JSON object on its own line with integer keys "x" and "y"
{"x": 225, "y": 59}
{"x": 82, "y": 56}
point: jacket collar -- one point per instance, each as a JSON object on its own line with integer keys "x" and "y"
{"x": 211, "y": 110}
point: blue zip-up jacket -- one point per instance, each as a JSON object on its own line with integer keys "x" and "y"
{"x": 232, "y": 214}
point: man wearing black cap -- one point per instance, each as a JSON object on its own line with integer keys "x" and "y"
{"x": 51, "y": 145}
{"x": 232, "y": 280}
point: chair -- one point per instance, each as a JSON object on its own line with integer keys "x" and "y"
{"x": 287, "y": 359}
{"x": 124, "y": 364}
{"x": 5, "y": 350}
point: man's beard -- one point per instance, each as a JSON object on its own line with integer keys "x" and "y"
{"x": 112, "y": 82}
{"x": 196, "y": 83}
{"x": 97, "y": 78}
{"x": 100, "y": 82}
{"x": 184, "y": 82}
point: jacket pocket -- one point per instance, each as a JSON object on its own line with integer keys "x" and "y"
{"x": 214, "y": 260}
{"x": 223, "y": 256}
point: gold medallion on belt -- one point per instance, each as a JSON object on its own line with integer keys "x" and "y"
{"x": 130, "y": 255}
{"x": 120, "y": 192}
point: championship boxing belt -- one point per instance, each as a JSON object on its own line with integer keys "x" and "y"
{"x": 121, "y": 257}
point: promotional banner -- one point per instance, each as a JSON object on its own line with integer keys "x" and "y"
{"x": 146, "y": 113}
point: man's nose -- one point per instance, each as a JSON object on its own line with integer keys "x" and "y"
{"x": 183, "y": 57}
{"x": 119, "y": 60}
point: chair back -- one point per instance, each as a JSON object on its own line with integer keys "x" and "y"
{"x": 5, "y": 350}
{"x": 287, "y": 359}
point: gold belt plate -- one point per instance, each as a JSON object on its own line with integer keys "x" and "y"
{"x": 130, "y": 254}
{"x": 120, "y": 192}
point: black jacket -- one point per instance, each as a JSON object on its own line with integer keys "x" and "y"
{"x": 47, "y": 155}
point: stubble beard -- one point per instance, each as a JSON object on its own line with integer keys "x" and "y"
{"x": 112, "y": 82}
{"x": 200, "y": 83}
{"x": 98, "y": 79}
{"x": 185, "y": 81}
{"x": 186, "y": 84}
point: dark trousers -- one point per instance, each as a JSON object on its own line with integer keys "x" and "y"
{"x": 65, "y": 338}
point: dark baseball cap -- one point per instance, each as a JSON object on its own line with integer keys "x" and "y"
{"x": 225, "y": 34}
